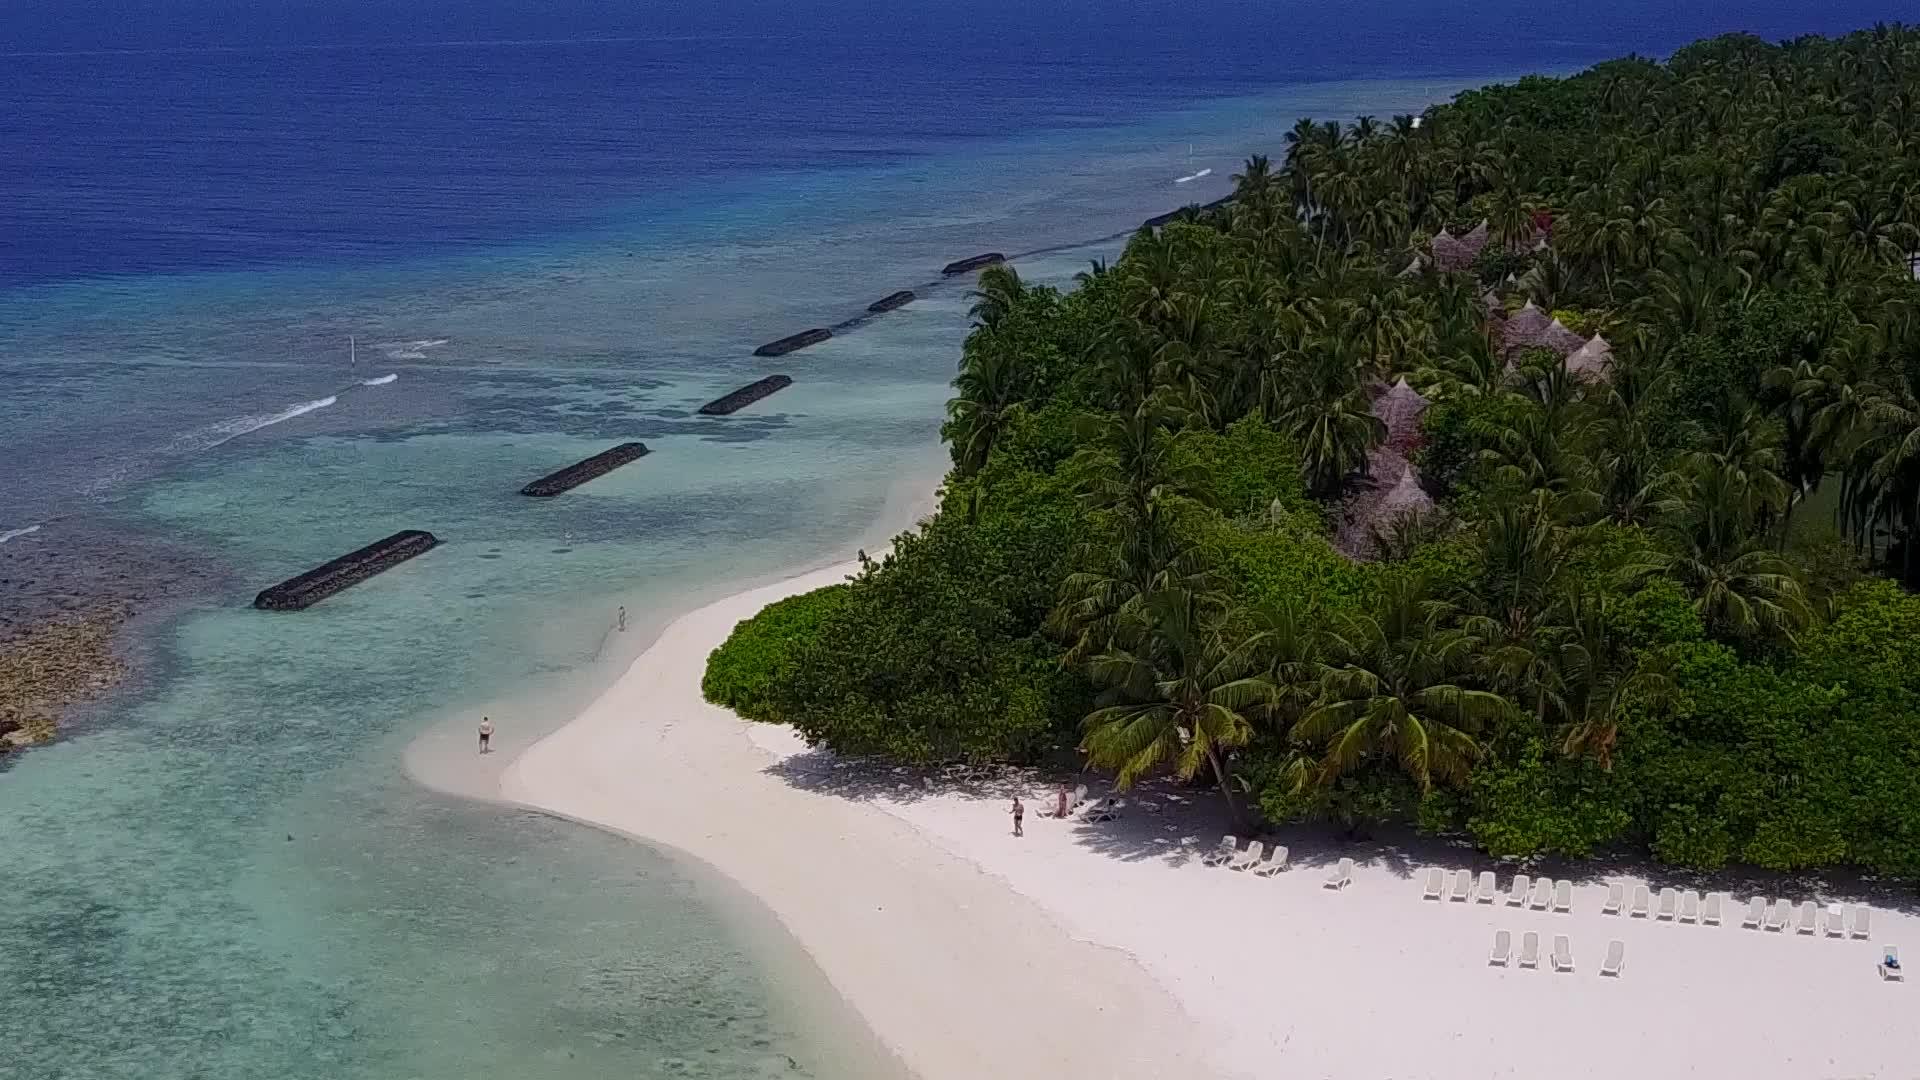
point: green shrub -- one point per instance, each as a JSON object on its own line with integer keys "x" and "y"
{"x": 760, "y": 652}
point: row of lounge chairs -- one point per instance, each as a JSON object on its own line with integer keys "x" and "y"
{"x": 1267, "y": 861}
{"x": 1542, "y": 894}
{"x": 1686, "y": 907}
{"x": 1259, "y": 858}
{"x": 1562, "y": 957}
{"x": 1852, "y": 921}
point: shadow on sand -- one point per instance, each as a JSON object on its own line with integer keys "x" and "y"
{"x": 1177, "y": 823}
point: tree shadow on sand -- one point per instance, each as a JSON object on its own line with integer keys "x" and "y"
{"x": 1176, "y": 823}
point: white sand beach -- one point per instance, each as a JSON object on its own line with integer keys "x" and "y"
{"x": 1109, "y": 950}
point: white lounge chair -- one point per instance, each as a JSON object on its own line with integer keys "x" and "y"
{"x": 1502, "y": 948}
{"x": 1616, "y": 899}
{"x": 1079, "y": 796}
{"x": 1689, "y": 906}
{"x": 1342, "y": 875}
{"x": 1563, "y": 896}
{"x": 1530, "y": 949}
{"x": 1639, "y": 902}
{"x": 1542, "y": 894}
{"x": 1485, "y": 891}
{"x": 1107, "y": 810}
{"x": 1859, "y": 921}
{"x": 1756, "y": 911}
{"x": 1616, "y": 958}
{"x": 1249, "y": 858}
{"x": 1462, "y": 886}
{"x": 1276, "y": 861}
{"x": 1779, "y": 915}
{"x": 1436, "y": 884}
{"x": 1229, "y": 847}
{"x": 1517, "y": 893}
{"x": 1836, "y": 921}
{"x": 1890, "y": 968}
{"x": 1562, "y": 953}
{"x": 1809, "y": 918}
{"x": 1669, "y": 900}
{"x": 1710, "y": 911}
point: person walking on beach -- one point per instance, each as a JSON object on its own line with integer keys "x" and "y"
{"x": 622, "y": 624}
{"x": 1019, "y": 816}
{"x": 486, "y": 733}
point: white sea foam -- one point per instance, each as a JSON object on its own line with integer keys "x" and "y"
{"x": 381, "y": 381}
{"x": 410, "y": 350}
{"x": 11, "y": 533}
{"x": 213, "y": 435}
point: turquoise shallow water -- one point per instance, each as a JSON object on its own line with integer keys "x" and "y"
{"x": 226, "y": 874}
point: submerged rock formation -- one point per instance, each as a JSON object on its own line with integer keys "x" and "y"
{"x": 47, "y": 667}
{"x": 746, "y": 395}
{"x": 68, "y": 594}
{"x": 580, "y": 472}
{"x": 344, "y": 572}
{"x": 972, "y": 262}
{"x": 793, "y": 342}
{"x": 891, "y": 301}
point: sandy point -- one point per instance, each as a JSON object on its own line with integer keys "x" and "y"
{"x": 959, "y": 975}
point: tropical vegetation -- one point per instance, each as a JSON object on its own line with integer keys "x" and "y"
{"x": 1651, "y": 594}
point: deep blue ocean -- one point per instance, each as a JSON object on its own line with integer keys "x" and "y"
{"x": 278, "y": 278}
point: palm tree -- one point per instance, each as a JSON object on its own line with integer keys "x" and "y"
{"x": 1175, "y": 691}
{"x": 1332, "y": 419}
{"x": 1253, "y": 185}
{"x": 1592, "y": 677}
{"x": 1393, "y": 691}
{"x": 999, "y": 293}
{"x": 1515, "y": 606}
{"x": 1134, "y": 485}
{"x": 1290, "y": 652}
{"x": 986, "y": 402}
{"x": 1739, "y": 585}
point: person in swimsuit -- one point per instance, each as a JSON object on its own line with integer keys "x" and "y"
{"x": 486, "y": 733}
{"x": 623, "y": 620}
{"x": 1019, "y": 815}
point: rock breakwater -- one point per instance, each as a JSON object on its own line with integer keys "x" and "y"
{"x": 580, "y": 472}
{"x": 745, "y": 396}
{"x": 794, "y": 342}
{"x": 345, "y": 572}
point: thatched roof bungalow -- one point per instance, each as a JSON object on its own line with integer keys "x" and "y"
{"x": 1561, "y": 340}
{"x": 1452, "y": 252}
{"x": 1400, "y": 409}
{"x": 1592, "y": 361}
{"x": 1406, "y": 499}
{"x": 1525, "y": 329}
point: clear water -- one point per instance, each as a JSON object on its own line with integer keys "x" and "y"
{"x": 227, "y": 874}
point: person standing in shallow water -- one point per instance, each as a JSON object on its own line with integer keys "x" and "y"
{"x": 622, "y": 621}
{"x": 486, "y": 733}
{"x": 1019, "y": 816}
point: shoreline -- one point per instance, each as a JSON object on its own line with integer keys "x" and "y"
{"x": 945, "y": 954}
{"x": 935, "y": 954}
